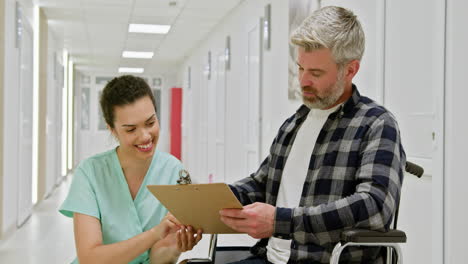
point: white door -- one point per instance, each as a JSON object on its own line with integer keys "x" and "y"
{"x": 212, "y": 116}
{"x": 252, "y": 118}
{"x": 187, "y": 126}
{"x": 53, "y": 128}
{"x": 25, "y": 110}
{"x": 403, "y": 68}
{"x": 414, "y": 81}
{"x": 192, "y": 123}
{"x": 220, "y": 174}
{"x": 58, "y": 86}
{"x": 202, "y": 175}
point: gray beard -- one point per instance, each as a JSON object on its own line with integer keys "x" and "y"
{"x": 326, "y": 102}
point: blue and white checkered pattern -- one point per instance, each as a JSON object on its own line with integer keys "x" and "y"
{"x": 354, "y": 181}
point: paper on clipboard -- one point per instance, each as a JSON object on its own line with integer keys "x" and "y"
{"x": 198, "y": 205}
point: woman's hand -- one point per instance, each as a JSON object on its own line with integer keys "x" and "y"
{"x": 168, "y": 250}
{"x": 169, "y": 224}
{"x": 187, "y": 239}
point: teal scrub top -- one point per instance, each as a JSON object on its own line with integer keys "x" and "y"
{"x": 99, "y": 189}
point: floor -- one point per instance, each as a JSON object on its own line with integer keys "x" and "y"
{"x": 47, "y": 237}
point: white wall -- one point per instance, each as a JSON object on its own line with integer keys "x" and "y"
{"x": 11, "y": 95}
{"x": 2, "y": 88}
{"x": 275, "y": 105}
{"x": 11, "y": 116}
{"x": 54, "y": 113}
{"x": 169, "y": 81}
{"x": 456, "y": 126}
{"x": 12, "y": 161}
{"x": 414, "y": 73}
{"x": 371, "y": 14}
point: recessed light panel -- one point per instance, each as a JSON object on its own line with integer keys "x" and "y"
{"x": 130, "y": 70}
{"x": 149, "y": 28}
{"x": 137, "y": 54}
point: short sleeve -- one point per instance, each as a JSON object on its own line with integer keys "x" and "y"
{"x": 81, "y": 197}
{"x": 170, "y": 169}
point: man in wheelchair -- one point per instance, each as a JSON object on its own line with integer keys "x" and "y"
{"x": 335, "y": 164}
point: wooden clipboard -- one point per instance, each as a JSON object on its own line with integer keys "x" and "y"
{"x": 198, "y": 205}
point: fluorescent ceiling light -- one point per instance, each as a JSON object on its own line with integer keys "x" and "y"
{"x": 131, "y": 70}
{"x": 148, "y": 28}
{"x": 137, "y": 54}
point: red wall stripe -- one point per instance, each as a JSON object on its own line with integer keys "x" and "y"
{"x": 176, "y": 122}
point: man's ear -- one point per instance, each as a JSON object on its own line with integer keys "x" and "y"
{"x": 352, "y": 69}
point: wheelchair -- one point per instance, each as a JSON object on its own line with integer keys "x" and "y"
{"x": 390, "y": 240}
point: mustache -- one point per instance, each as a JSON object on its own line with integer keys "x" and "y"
{"x": 308, "y": 89}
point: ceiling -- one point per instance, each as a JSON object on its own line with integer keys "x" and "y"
{"x": 95, "y": 32}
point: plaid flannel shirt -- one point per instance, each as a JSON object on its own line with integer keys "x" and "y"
{"x": 353, "y": 181}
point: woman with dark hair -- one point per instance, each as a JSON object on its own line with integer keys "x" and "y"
{"x": 115, "y": 217}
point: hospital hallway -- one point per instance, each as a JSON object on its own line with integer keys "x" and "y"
{"x": 47, "y": 237}
{"x": 224, "y": 76}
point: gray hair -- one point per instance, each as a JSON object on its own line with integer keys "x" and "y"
{"x": 335, "y": 28}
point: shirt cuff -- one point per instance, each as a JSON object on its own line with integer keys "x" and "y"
{"x": 283, "y": 228}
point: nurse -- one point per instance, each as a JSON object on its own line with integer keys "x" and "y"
{"x": 115, "y": 217}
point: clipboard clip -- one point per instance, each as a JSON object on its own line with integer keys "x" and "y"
{"x": 184, "y": 177}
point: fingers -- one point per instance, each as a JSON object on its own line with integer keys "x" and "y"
{"x": 257, "y": 220}
{"x": 168, "y": 224}
{"x": 236, "y": 219}
{"x": 187, "y": 239}
{"x": 163, "y": 229}
{"x": 171, "y": 218}
{"x": 171, "y": 226}
{"x": 239, "y": 224}
{"x": 179, "y": 240}
{"x": 235, "y": 213}
{"x": 183, "y": 238}
{"x": 199, "y": 236}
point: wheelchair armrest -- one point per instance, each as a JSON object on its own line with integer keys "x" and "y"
{"x": 368, "y": 236}
{"x": 198, "y": 261}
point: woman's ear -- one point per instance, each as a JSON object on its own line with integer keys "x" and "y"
{"x": 112, "y": 130}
